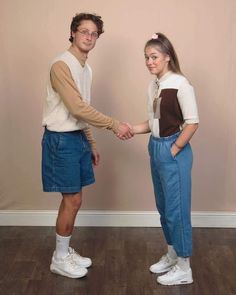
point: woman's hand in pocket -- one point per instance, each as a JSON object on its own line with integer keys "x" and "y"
{"x": 174, "y": 150}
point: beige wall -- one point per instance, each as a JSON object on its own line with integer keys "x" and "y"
{"x": 204, "y": 35}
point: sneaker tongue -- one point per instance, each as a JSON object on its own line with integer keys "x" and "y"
{"x": 175, "y": 268}
{"x": 69, "y": 258}
{"x": 165, "y": 258}
{"x": 71, "y": 250}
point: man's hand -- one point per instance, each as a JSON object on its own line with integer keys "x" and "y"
{"x": 124, "y": 131}
{"x": 95, "y": 157}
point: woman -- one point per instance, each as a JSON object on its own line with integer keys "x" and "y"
{"x": 173, "y": 119}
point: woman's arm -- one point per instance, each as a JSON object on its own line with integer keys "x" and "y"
{"x": 141, "y": 128}
{"x": 184, "y": 137}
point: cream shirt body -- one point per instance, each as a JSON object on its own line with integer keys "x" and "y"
{"x": 55, "y": 115}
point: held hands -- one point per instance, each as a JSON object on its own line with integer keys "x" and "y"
{"x": 125, "y": 131}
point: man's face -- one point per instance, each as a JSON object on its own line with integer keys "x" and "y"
{"x": 86, "y": 36}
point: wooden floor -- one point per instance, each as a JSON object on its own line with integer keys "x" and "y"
{"x": 121, "y": 258}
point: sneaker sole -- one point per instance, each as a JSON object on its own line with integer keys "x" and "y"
{"x": 62, "y": 273}
{"x": 179, "y": 282}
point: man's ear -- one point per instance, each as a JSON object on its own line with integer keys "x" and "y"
{"x": 73, "y": 34}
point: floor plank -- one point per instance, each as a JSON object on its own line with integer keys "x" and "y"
{"x": 121, "y": 258}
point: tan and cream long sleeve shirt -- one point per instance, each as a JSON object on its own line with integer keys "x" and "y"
{"x": 67, "y": 106}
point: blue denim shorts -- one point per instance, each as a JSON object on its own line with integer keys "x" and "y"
{"x": 66, "y": 161}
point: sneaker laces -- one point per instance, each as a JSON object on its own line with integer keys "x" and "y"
{"x": 73, "y": 252}
{"x": 165, "y": 258}
{"x": 70, "y": 260}
{"x": 172, "y": 271}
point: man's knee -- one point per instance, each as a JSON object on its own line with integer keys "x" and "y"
{"x": 73, "y": 201}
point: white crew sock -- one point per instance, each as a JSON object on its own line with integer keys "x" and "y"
{"x": 184, "y": 263}
{"x": 62, "y": 245}
{"x": 171, "y": 252}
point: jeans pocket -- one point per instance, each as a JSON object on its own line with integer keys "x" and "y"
{"x": 167, "y": 154}
{"x": 149, "y": 146}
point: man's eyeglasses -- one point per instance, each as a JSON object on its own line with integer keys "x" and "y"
{"x": 86, "y": 33}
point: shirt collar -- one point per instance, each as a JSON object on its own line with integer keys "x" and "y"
{"x": 80, "y": 56}
{"x": 164, "y": 77}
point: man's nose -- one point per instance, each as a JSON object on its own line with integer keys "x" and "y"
{"x": 89, "y": 36}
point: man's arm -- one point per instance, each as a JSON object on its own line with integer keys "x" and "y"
{"x": 63, "y": 83}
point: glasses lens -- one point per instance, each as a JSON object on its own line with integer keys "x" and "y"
{"x": 86, "y": 33}
{"x": 94, "y": 35}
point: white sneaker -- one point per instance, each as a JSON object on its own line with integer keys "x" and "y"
{"x": 176, "y": 276}
{"x": 67, "y": 267}
{"x": 164, "y": 264}
{"x": 80, "y": 260}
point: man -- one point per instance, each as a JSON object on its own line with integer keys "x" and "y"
{"x": 68, "y": 147}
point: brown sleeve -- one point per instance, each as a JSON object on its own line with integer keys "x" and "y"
{"x": 89, "y": 135}
{"x": 63, "y": 83}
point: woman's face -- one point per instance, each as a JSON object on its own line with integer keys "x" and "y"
{"x": 156, "y": 61}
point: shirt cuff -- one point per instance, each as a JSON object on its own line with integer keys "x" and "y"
{"x": 115, "y": 125}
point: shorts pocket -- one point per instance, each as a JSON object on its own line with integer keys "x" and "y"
{"x": 54, "y": 141}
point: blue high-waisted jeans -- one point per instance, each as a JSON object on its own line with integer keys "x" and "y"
{"x": 171, "y": 178}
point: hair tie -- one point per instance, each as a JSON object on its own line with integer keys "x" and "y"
{"x": 155, "y": 36}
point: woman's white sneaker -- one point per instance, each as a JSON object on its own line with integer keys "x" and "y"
{"x": 176, "y": 276}
{"x": 67, "y": 267}
{"x": 80, "y": 260}
{"x": 163, "y": 265}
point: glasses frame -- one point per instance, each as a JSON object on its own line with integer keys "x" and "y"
{"x": 85, "y": 33}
